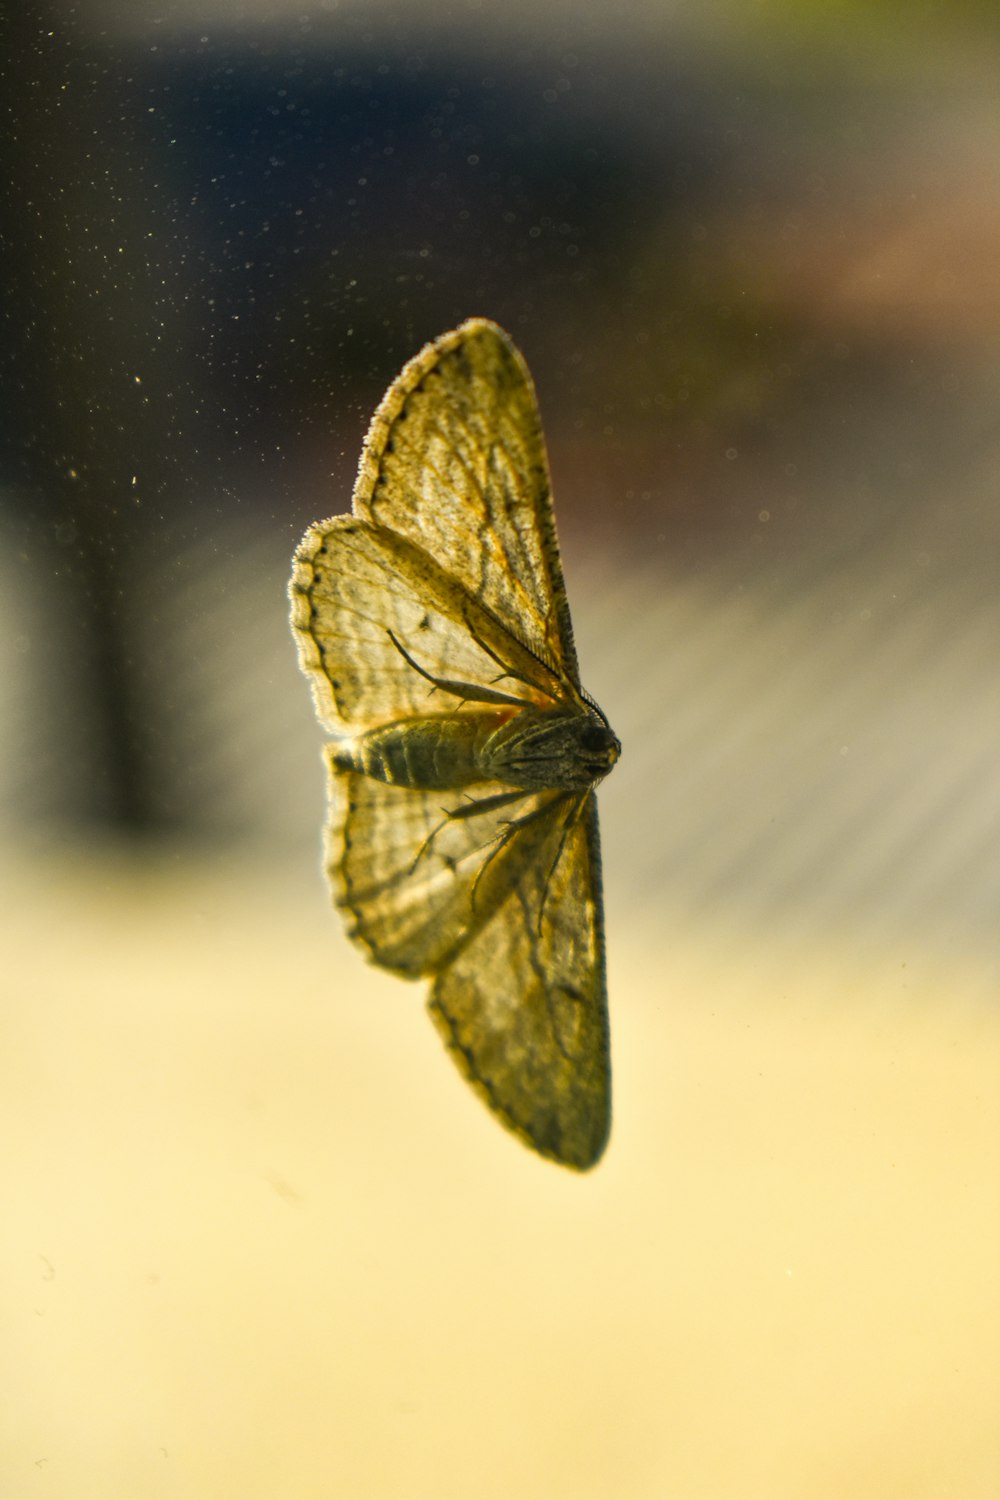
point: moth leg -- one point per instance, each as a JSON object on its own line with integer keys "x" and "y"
{"x": 470, "y": 809}
{"x": 511, "y": 828}
{"x": 474, "y": 808}
{"x": 501, "y": 840}
{"x": 468, "y": 692}
{"x": 507, "y": 671}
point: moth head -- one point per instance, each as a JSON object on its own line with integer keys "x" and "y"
{"x": 599, "y": 746}
{"x": 555, "y": 748}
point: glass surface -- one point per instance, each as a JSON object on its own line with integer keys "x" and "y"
{"x": 258, "y": 1238}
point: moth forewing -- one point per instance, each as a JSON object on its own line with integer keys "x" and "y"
{"x": 523, "y": 1005}
{"x": 455, "y": 461}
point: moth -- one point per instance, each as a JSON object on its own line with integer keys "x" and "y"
{"x": 462, "y": 839}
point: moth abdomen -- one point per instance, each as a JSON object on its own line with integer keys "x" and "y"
{"x": 434, "y": 752}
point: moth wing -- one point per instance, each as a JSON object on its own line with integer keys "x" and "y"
{"x": 523, "y": 1004}
{"x": 406, "y": 866}
{"x": 501, "y": 904}
{"x": 359, "y": 593}
{"x": 455, "y": 461}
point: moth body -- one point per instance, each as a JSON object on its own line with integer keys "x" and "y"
{"x": 536, "y": 749}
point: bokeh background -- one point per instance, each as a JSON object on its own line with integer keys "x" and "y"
{"x": 257, "y": 1237}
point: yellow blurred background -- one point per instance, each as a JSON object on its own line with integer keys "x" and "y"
{"x": 257, "y": 1237}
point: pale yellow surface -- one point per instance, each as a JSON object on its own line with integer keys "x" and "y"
{"x": 259, "y": 1241}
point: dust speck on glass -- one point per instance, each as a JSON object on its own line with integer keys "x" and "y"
{"x": 462, "y": 841}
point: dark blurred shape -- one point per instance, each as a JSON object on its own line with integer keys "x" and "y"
{"x": 216, "y": 251}
{"x": 744, "y": 280}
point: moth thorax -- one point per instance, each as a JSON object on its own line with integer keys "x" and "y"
{"x": 566, "y": 749}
